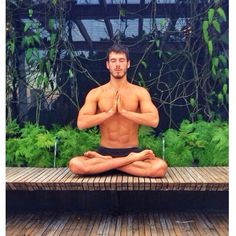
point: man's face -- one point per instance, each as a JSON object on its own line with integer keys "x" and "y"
{"x": 117, "y": 65}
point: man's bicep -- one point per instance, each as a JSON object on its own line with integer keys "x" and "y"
{"x": 90, "y": 106}
{"x": 146, "y": 104}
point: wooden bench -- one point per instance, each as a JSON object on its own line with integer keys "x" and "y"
{"x": 176, "y": 179}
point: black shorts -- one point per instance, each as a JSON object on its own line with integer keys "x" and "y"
{"x": 117, "y": 152}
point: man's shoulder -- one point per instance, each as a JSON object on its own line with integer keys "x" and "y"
{"x": 138, "y": 88}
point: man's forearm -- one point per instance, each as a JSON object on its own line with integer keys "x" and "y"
{"x": 87, "y": 121}
{"x": 147, "y": 119}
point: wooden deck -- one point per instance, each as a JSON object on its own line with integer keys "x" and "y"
{"x": 177, "y": 178}
{"x": 143, "y": 224}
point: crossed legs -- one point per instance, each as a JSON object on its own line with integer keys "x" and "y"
{"x": 139, "y": 164}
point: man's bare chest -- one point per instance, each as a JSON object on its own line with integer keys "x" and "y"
{"x": 129, "y": 102}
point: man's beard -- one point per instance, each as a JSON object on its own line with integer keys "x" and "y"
{"x": 118, "y": 75}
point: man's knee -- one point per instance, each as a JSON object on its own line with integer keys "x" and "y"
{"x": 159, "y": 169}
{"x": 76, "y": 166}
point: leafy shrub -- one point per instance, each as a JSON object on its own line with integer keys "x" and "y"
{"x": 74, "y": 143}
{"x": 208, "y": 141}
{"x": 33, "y": 145}
{"x": 31, "y": 148}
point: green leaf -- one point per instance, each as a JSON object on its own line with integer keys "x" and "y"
{"x": 51, "y": 24}
{"x": 162, "y": 22}
{"x": 157, "y": 43}
{"x": 192, "y": 102}
{"x": 216, "y": 26}
{"x": 140, "y": 75}
{"x": 213, "y": 70}
{"x": 48, "y": 66}
{"x": 28, "y": 54}
{"x": 220, "y": 97}
{"x": 225, "y": 89}
{"x": 159, "y": 53}
{"x": 52, "y": 53}
{"x": 221, "y": 13}
{"x": 144, "y": 64}
{"x": 70, "y": 73}
{"x": 27, "y": 25}
{"x": 215, "y": 61}
{"x": 11, "y": 46}
{"x": 210, "y": 47}
{"x": 211, "y": 12}
{"x": 36, "y": 38}
{"x": 205, "y": 26}
{"x": 223, "y": 59}
{"x": 30, "y": 12}
{"x": 226, "y": 72}
{"x": 52, "y": 39}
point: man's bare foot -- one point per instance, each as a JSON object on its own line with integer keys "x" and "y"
{"x": 92, "y": 154}
{"x": 141, "y": 156}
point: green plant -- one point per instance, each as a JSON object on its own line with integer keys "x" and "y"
{"x": 75, "y": 142}
{"x": 207, "y": 141}
{"x": 148, "y": 140}
{"x": 177, "y": 152}
{"x": 31, "y": 148}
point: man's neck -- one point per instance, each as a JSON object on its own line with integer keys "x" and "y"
{"x": 118, "y": 83}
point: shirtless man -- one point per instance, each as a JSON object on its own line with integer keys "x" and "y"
{"x": 118, "y": 107}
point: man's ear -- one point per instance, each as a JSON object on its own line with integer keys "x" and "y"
{"x": 107, "y": 65}
{"x": 128, "y": 64}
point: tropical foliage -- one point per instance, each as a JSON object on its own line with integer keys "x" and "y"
{"x": 33, "y": 145}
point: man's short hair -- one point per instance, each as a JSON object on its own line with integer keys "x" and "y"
{"x": 118, "y": 48}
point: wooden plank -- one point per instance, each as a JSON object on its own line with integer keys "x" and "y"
{"x": 96, "y": 182}
{"x": 184, "y": 223}
{"x": 170, "y": 180}
{"x": 219, "y": 226}
{"x": 222, "y": 174}
{"x": 30, "y": 181}
{"x": 81, "y": 227}
{"x": 177, "y": 178}
{"x": 70, "y": 181}
{"x": 12, "y": 181}
{"x": 176, "y": 184}
{"x": 188, "y": 184}
{"x": 158, "y": 225}
{"x": 124, "y": 182}
{"x": 67, "y": 176}
{"x": 191, "y": 179}
{"x": 141, "y": 224}
{"x": 210, "y": 182}
{"x": 119, "y": 182}
{"x": 11, "y": 171}
{"x": 147, "y": 183}
{"x": 96, "y": 225}
{"x": 113, "y": 182}
{"x": 201, "y": 181}
{"x": 180, "y": 178}
{"x": 141, "y": 183}
{"x": 164, "y": 225}
{"x": 67, "y": 226}
{"x": 102, "y": 183}
{"x": 175, "y": 225}
{"x": 130, "y": 182}
{"x": 54, "y": 177}
{"x": 75, "y": 221}
{"x": 213, "y": 181}
{"x": 165, "y": 217}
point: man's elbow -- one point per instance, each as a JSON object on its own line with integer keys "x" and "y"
{"x": 155, "y": 123}
{"x": 81, "y": 125}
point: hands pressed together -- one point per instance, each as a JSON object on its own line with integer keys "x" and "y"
{"x": 117, "y": 105}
